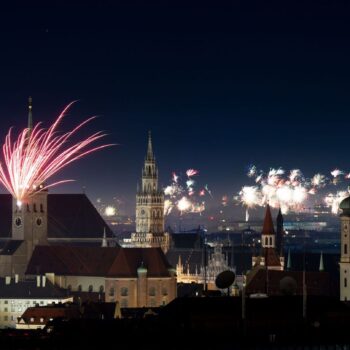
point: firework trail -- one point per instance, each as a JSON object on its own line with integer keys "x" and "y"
{"x": 289, "y": 191}
{"x": 36, "y": 155}
{"x": 183, "y": 195}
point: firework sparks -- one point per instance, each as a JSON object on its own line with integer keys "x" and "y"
{"x": 110, "y": 211}
{"x": 36, "y": 155}
{"x": 184, "y": 195}
{"x": 289, "y": 192}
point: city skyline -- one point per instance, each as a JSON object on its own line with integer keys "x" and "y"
{"x": 221, "y": 87}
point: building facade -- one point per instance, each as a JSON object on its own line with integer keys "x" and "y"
{"x": 17, "y": 296}
{"x": 150, "y": 207}
{"x": 135, "y": 277}
{"x": 344, "y": 264}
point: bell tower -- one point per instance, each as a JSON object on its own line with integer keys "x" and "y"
{"x": 29, "y": 217}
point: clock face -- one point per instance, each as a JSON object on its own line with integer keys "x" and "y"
{"x": 18, "y": 221}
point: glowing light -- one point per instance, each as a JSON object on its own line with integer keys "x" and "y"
{"x": 184, "y": 204}
{"x": 110, "y": 211}
{"x": 36, "y": 155}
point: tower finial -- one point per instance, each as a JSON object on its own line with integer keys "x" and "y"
{"x": 30, "y": 116}
{"x": 149, "y": 149}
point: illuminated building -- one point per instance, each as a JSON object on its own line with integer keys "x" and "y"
{"x": 150, "y": 207}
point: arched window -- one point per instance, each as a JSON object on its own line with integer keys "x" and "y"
{"x": 124, "y": 292}
{"x": 34, "y": 207}
{"x": 271, "y": 241}
{"x": 345, "y": 249}
{"x": 80, "y": 288}
{"x": 101, "y": 289}
{"x": 266, "y": 241}
{"x": 152, "y": 291}
{"x": 41, "y": 208}
{"x": 91, "y": 288}
{"x": 69, "y": 287}
{"x": 345, "y": 282}
{"x": 111, "y": 292}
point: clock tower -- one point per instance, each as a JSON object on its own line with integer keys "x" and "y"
{"x": 150, "y": 207}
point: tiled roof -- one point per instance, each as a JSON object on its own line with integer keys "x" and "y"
{"x": 97, "y": 261}
{"x": 41, "y": 315}
{"x": 69, "y": 216}
{"x": 271, "y": 257}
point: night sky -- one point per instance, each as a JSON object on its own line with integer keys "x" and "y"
{"x": 221, "y": 85}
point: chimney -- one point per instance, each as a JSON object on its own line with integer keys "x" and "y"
{"x": 8, "y": 280}
{"x": 16, "y": 278}
{"x": 38, "y": 281}
{"x": 44, "y": 281}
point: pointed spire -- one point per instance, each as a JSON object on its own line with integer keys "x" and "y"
{"x": 321, "y": 267}
{"x": 268, "y": 228}
{"x": 150, "y": 149}
{"x": 104, "y": 239}
{"x": 289, "y": 261}
{"x": 30, "y": 116}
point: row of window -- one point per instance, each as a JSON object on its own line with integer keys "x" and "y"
{"x": 90, "y": 288}
{"x": 124, "y": 292}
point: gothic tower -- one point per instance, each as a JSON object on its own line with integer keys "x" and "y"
{"x": 29, "y": 219}
{"x": 345, "y": 250}
{"x": 150, "y": 207}
{"x": 269, "y": 256}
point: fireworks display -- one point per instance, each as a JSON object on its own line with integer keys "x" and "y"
{"x": 36, "y": 155}
{"x": 184, "y": 194}
{"x": 290, "y": 190}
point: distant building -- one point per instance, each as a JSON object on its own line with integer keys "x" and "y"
{"x": 345, "y": 250}
{"x": 16, "y": 296}
{"x": 135, "y": 277}
{"x": 217, "y": 263}
{"x": 150, "y": 207}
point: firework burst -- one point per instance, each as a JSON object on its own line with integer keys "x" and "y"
{"x": 36, "y": 155}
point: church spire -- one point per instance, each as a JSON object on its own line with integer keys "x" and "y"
{"x": 30, "y": 116}
{"x": 150, "y": 149}
{"x": 104, "y": 239}
{"x": 321, "y": 267}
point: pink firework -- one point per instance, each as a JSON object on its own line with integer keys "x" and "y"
{"x": 191, "y": 172}
{"x": 40, "y": 153}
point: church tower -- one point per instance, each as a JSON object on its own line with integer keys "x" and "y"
{"x": 345, "y": 250}
{"x": 269, "y": 257}
{"x": 150, "y": 207}
{"x": 29, "y": 219}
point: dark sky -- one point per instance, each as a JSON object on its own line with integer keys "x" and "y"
{"x": 221, "y": 85}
